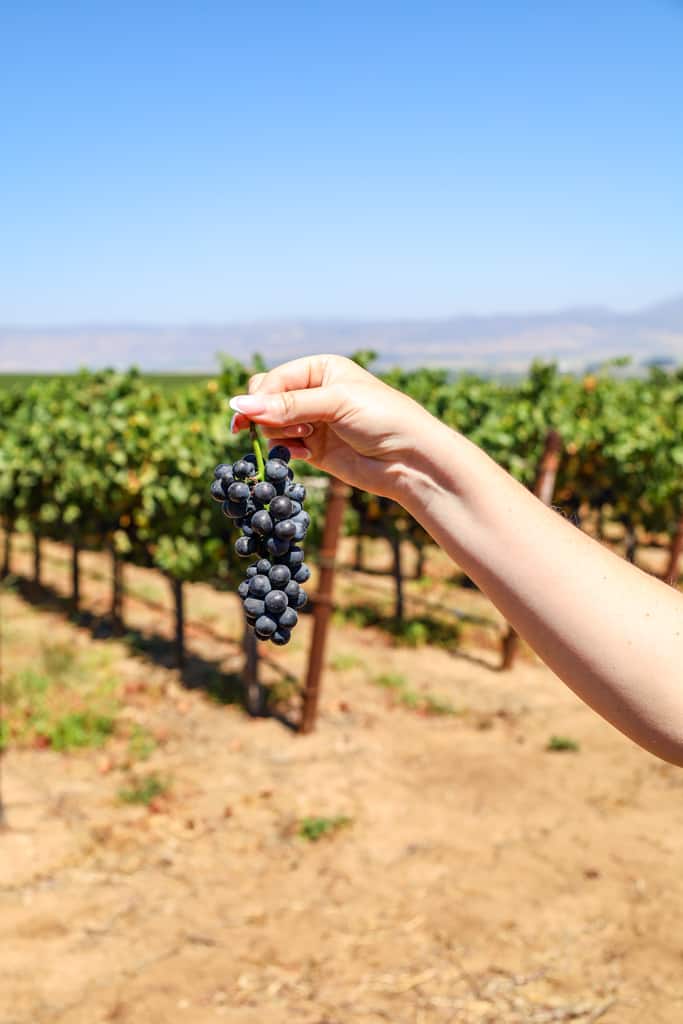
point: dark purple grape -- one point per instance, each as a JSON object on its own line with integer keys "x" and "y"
{"x": 285, "y": 529}
{"x": 295, "y": 557}
{"x": 217, "y": 490}
{"x": 276, "y": 602}
{"x": 292, "y": 590}
{"x": 296, "y": 507}
{"x": 297, "y": 492}
{"x": 263, "y": 493}
{"x": 302, "y": 599}
{"x": 262, "y": 523}
{"x": 288, "y": 618}
{"x": 233, "y": 510}
{"x": 242, "y": 469}
{"x": 265, "y": 625}
{"x": 281, "y": 636}
{"x": 302, "y": 517}
{"x": 300, "y": 531}
{"x": 245, "y": 546}
{"x": 277, "y": 547}
{"x": 254, "y": 606}
{"x": 276, "y": 470}
{"x": 279, "y": 576}
{"x": 253, "y": 569}
{"x": 264, "y": 566}
{"x": 238, "y": 491}
{"x": 259, "y": 586}
{"x": 223, "y": 470}
{"x": 280, "y": 451}
{"x": 280, "y": 507}
{"x": 243, "y": 589}
{"x": 302, "y": 574}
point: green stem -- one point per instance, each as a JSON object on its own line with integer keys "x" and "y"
{"x": 256, "y": 445}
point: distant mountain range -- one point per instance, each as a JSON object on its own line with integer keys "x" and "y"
{"x": 498, "y": 344}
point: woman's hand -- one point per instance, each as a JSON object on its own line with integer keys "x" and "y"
{"x": 328, "y": 409}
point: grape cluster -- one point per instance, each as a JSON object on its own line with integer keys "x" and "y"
{"x": 273, "y": 521}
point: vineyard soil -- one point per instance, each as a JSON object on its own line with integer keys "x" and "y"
{"x": 479, "y": 876}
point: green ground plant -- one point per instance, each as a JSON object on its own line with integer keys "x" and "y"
{"x": 315, "y": 828}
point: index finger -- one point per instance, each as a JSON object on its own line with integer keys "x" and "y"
{"x": 297, "y": 375}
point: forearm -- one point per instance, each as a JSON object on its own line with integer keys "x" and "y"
{"x": 608, "y": 630}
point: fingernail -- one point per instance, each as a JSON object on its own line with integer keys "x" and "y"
{"x": 232, "y": 422}
{"x": 250, "y": 405}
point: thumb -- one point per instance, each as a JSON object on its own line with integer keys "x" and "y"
{"x": 310, "y": 405}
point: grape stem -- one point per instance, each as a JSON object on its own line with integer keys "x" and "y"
{"x": 256, "y": 445}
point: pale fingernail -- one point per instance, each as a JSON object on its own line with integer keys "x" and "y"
{"x": 250, "y": 405}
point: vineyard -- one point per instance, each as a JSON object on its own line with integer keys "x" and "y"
{"x": 121, "y": 462}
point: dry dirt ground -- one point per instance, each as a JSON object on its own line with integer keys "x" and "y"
{"x": 481, "y": 877}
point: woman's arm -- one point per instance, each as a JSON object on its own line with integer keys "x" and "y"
{"x": 608, "y": 630}
{"x": 611, "y": 632}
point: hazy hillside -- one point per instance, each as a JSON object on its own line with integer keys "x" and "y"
{"x": 501, "y": 343}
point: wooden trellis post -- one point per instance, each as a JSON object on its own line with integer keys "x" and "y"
{"x": 543, "y": 489}
{"x": 671, "y": 574}
{"x": 116, "y": 591}
{"x": 334, "y": 514}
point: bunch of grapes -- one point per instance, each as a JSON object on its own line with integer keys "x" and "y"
{"x": 267, "y": 504}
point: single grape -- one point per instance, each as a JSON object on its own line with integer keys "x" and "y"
{"x": 302, "y": 574}
{"x": 222, "y": 470}
{"x": 301, "y": 599}
{"x": 245, "y": 527}
{"x": 280, "y": 507}
{"x": 276, "y": 602}
{"x": 281, "y": 636}
{"x": 302, "y": 517}
{"x": 245, "y": 546}
{"x": 254, "y": 607}
{"x": 296, "y": 506}
{"x": 299, "y": 532}
{"x": 263, "y": 493}
{"x": 285, "y": 529}
{"x": 262, "y": 523}
{"x": 297, "y": 492}
{"x": 263, "y": 566}
{"x": 279, "y": 576}
{"x": 238, "y": 491}
{"x": 259, "y": 586}
{"x": 276, "y": 470}
{"x": 265, "y": 625}
{"x": 233, "y": 510}
{"x": 253, "y": 569}
{"x": 277, "y": 547}
{"x": 217, "y": 490}
{"x": 279, "y": 451}
{"x": 295, "y": 557}
{"x": 292, "y": 590}
{"x": 243, "y": 589}
{"x": 242, "y": 469}
{"x": 288, "y": 618}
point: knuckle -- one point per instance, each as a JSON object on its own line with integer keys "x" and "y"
{"x": 288, "y": 405}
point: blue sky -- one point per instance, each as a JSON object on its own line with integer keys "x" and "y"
{"x": 208, "y": 162}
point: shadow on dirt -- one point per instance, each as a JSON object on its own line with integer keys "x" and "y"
{"x": 196, "y": 672}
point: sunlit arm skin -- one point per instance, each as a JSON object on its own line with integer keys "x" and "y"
{"x": 611, "y": 632}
